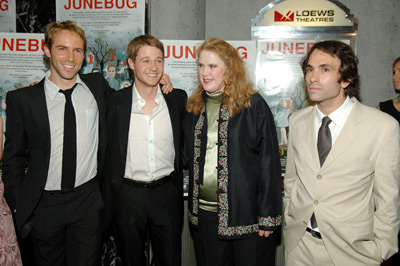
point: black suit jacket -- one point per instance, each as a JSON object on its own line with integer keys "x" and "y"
{"x": 119, "y": 107}
{"x": 27, "y": 147}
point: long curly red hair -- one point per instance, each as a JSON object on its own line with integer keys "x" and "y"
{"x": 238, "y": 89}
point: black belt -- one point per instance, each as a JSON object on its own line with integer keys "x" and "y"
{"x": 314, "y": 233}
{"x": 152, "y": 184}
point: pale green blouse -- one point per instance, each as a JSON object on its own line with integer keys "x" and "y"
{"x": 208, "y": 190}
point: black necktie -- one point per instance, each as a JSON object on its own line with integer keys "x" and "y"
{"x": 69, "y": 144}
{"x": 324, "y": 145}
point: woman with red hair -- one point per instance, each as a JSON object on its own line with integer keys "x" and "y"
{"x": 234, "y": 167}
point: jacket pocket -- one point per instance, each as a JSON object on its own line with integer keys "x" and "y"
{"x": 361, "y": 230}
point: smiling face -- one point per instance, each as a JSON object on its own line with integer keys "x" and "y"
{"x": 148, "y": 67}
{"x": 211, "y": 70}
{"x": 396, "y": 76}
{"x": 322, "y": 76}
{"x": 66, "y": 58}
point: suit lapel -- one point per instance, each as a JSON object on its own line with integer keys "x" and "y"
{"x": 40, "y": 115}
{"x": 310, "y": 136}
{"x": 124, "y": 109}
{"x": 174, "y": 116}
{"x": 346, "y": 137}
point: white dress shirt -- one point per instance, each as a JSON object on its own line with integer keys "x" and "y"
{"x": 151, "y": 152}
{"x": 339, "y": 118}
{"x": 87, "y": 128}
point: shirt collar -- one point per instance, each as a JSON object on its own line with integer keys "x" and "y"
{"x": 216, "y": 97}
{"x": 138, "y": 102}
{"x": 52, "y": 89}
{"x": 338, "y": 116}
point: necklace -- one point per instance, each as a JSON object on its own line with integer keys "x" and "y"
{"x": 398, "y": 98}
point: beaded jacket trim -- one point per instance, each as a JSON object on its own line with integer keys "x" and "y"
{"x": 223, "y": 206}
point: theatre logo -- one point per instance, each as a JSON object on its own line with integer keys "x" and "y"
{"x": 282, "y": 18}
{"x": 305, "y": 16}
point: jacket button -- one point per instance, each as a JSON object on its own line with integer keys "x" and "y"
{"x": 319, "y": 177}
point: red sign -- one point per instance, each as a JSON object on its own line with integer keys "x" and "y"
{"x": 284, "y": 18}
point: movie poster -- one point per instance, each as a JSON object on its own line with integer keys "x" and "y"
{"x": 181, "y": 61}
{"x": 21, "y": 62}
{"x": 7, "y": 16}
{"x": 279, "y": 75}
{"x": 109, "y": 26}
{"x": 32, "y": 16}
{"x": 281, "y": 83}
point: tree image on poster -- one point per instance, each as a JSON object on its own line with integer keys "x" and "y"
{"x": 102, "y": 52}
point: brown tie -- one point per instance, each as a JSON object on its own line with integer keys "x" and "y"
{"x": 324, "y": 146}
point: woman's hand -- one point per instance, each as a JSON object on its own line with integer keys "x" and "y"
{"x": 265, "y": 233}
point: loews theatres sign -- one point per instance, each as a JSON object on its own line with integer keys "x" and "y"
{"x": 308, "y": 13}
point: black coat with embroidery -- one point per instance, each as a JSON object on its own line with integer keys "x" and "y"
{"x": 249, "y": 171}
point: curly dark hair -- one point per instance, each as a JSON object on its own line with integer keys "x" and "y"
{"x": 348, "y": 63}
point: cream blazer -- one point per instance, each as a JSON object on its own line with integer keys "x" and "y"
{"x": 354, "y": 195}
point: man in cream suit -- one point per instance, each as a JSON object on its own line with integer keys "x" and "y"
{"x": 342, "y": 179}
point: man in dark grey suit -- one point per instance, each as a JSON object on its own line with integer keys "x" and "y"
{"x": 51, "y": 180}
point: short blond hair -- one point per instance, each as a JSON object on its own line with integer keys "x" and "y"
{"x": 54, "y": 28}
{"x": 143, "y": 40}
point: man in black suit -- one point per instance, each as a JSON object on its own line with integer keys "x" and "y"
{"x": 142, "y": 172}
{"x": 54, "y": 153}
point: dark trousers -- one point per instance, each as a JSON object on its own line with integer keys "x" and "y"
{"x": 395, "y": 259}
{"x": 211, "y": 251}
{"x": 67, "y": 227}
{"x": 143, "y": 212}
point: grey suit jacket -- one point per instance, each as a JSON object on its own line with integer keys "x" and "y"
{"x": 354, "y": 195}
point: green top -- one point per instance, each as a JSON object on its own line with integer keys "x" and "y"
{"x": 208, "y": 190}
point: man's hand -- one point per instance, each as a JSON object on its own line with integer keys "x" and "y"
{"x": 264, "y": 233}
{"x": 167, "y": 85}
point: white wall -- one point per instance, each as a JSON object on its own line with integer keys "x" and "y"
{"x": 177, "y": 19}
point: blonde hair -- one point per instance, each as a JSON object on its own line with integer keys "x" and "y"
{"x": 140, "y": 41}
{"x": 238, "y": 89}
